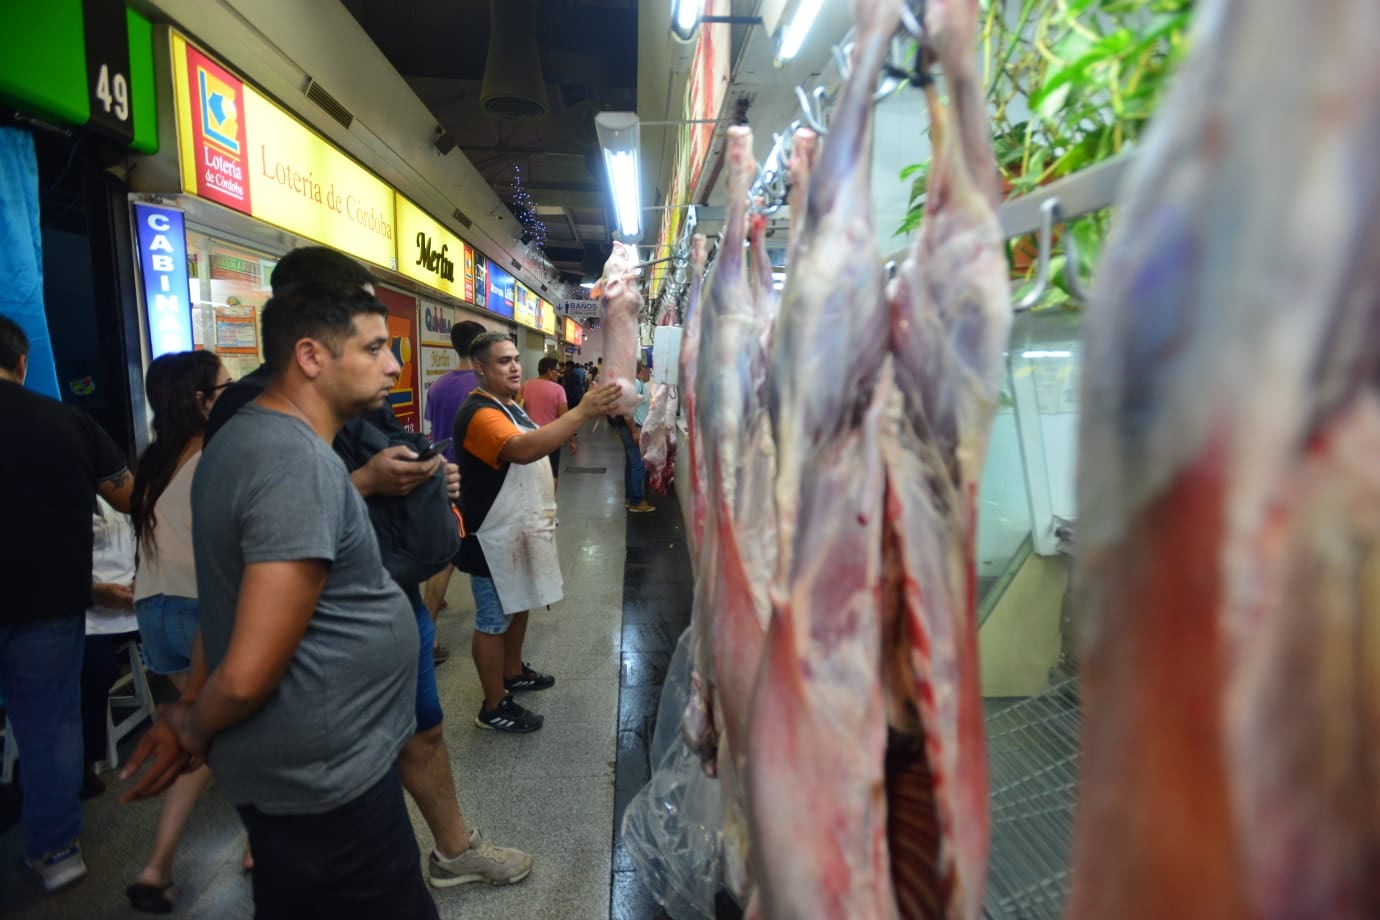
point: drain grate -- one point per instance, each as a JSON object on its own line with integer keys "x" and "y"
{"x": 594, "y": 470}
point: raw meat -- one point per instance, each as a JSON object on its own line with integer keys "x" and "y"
{"x": 817, "y": 738}
{"x": 1229, "y": 487}
{"x": 659, "y": 438}
{"x": 687, "y": 378}
{"x": 620, "y": 305}
{"x": 731, "y": 606}
{"x": 659, "y": 430}
{"x": 950, "y": 321}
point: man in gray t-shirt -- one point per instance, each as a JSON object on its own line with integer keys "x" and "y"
{"x": 268, "y": 491}
{"x": 303, "y": 682}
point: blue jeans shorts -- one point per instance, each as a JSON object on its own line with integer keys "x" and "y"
{"x": 167, "y": 627}
{"x": 489, "y": 617}
{"x": 428, "y": 698}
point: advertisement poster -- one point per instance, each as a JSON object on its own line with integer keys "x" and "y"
{"x": 402, "y": 329}
{"x": 481, "y": 280}
{"x": 501, "y": 292}
{"x": 524, "y": 306}
{"x": 438, "y": 357}
{"x": 469, "y": 273}
{"x": 546, "y": 316}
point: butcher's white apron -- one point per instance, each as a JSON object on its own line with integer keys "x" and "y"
{"x": 518, "y": 535}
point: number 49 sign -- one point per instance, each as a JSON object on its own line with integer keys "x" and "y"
{"x": 107, "y": 67}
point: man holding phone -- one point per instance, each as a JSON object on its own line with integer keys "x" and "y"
{"x": 424, "y": 764}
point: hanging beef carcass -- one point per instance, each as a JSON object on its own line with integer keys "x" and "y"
{"x": 817, "y": 741}
{"x": 621, "y": 302}
{"x": 658, "y": 440}
{"x": 950, "y": 321}
{"x": 731, "y": 606}
{"x": 686, "y": 380}
{"x": 1229, "y": 487}
{"x": 869, "y": 689}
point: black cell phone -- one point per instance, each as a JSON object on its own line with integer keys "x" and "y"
{"x": 434, "y": 449}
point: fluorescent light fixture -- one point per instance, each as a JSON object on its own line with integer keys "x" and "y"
{"x": 685, "y": 16}
{"x": 1046, "y": 354}
{"x": 619, "y": 135}
{"x": 587, "y": 285}
{"x": 797, "y": 27}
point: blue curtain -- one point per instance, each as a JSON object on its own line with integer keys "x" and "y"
{"x": 21, "y": 255}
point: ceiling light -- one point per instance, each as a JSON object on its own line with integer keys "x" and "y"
{"x": 1046, "y": 354}
{"x": 620, "y": 137}
{"x": 796, "y": 28}
{"x": 587, "y": 285}
{"x": 685, "y": 15}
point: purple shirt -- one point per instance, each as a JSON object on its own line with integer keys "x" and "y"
{"x": 443, "y": 400}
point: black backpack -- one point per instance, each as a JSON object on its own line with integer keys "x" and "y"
{"x": 418, "y": 533}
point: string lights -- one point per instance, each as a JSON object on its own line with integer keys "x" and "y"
{"x": 524, "y": 208}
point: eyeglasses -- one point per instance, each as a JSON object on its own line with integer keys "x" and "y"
{"x": 220, "y": 386}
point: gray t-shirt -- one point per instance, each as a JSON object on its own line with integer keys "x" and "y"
{"x": 269, "y": 490}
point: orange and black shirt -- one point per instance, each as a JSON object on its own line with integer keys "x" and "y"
{"x": 482, "y": 428}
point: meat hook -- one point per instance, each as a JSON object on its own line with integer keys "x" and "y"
{"x": 1048, "y": 209}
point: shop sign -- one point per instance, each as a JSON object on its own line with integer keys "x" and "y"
{"x": 579, "y": 307}
{"x": 431, "y": 254}
{"x": 163, "y": 258}
{"x": 242, "y": 151}
{"x": 573, "y": 332}
{"x": 81, "y": 62}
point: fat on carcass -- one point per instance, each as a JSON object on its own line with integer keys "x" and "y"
{"x": 1228, "y": 587}
{"x": 620, "y": 300}
{"x": 818, "y": 728}
{"x": 950, "y": 322}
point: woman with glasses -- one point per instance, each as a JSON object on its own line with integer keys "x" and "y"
{"x": 181, "y": 389}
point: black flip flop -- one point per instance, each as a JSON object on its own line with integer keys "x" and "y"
{"x": 149, "y": 899}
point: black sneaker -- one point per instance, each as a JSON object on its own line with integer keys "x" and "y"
{"x": 528, "y": 680}
{"x": 508, "y": 717}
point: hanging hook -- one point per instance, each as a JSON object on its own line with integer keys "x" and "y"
{"x": 1048, "y": 209}
{"x": 1071, "y": 279}
{"x": 815, "y": 121}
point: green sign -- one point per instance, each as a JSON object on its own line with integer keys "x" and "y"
{"x": 81, "y": 62}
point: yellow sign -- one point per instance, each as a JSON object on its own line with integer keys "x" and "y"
{"x": 241, "y": 150}
{"x": 431, "y": 254}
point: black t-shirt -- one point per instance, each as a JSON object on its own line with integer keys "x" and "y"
{"x": 53, "y": 458}
{"x": 478, "y": 445}
{"x": 235, "y": 397}
{"x": 252, "y": 385}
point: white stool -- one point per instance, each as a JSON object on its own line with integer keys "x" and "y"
{"x": 130, "y": 695}
{"x": 11, "y": 754}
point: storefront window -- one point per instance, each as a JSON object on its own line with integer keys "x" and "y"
{"x": 229, "y": 287}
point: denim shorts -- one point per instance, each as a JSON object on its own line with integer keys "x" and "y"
{"x": 167, "y": 627}
{"x": 428, "y": 698}
{"x": 489, "y": 617}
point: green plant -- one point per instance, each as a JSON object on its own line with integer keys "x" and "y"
{"x": 1069, "y": 83}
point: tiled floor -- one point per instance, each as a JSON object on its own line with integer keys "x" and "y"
{"x": 552, "y": 792}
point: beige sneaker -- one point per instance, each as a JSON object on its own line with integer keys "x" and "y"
{"x": 480, "y": 863}
{"x": 642, "y": 507}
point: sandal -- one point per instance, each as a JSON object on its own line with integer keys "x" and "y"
{"x": 149, "y": 899}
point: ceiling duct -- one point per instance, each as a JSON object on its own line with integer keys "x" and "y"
{"x": 514, "y": 88}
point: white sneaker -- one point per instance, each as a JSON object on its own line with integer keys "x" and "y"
{"x": 59, "y": 868}
{"x": 481, "y": 862}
